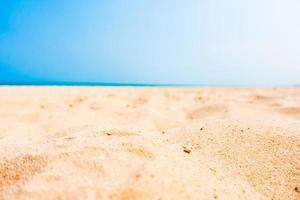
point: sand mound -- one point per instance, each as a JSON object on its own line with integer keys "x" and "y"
{"x": 155, "y": 143}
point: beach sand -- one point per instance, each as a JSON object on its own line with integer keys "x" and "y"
{"x": 149, "y": 143}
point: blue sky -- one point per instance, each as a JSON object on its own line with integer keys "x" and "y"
{"x": 210, "y": 42}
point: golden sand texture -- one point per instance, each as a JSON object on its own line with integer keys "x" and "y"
{"x": 149, "y": 143}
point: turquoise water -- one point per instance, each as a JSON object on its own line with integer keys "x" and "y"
{"x": 63, "y": 83}
{"x": 95, "y": 84}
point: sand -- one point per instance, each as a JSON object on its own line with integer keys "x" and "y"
{"x": 149, "y": 143}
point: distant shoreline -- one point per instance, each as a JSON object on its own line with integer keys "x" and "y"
{"x": 102, "y": 84}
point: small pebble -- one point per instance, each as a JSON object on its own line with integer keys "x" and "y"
{"x": 186, "y": 150}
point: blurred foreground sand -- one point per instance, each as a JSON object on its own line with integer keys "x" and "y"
{"x": 149, "y": 143}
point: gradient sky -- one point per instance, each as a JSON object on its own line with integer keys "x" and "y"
{"x": 211, "y": 42}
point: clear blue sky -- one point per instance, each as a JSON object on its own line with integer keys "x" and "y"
{"x": 212, "y": 42}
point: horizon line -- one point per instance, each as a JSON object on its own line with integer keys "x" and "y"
{"x": 116, "y": 84}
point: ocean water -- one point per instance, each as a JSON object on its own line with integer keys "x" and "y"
{"x": 67, "y": 83}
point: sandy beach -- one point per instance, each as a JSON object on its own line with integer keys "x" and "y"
{"x": 149, "y": 143}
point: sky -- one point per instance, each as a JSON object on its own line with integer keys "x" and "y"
{"x": 199, "y": 42}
